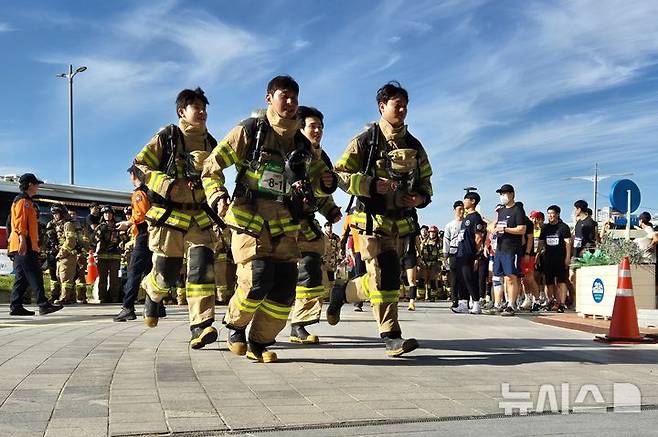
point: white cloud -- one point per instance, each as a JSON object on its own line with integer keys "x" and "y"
{"x": 147, "y": 53}
{"x": 300, "y": 44}
{"x": 4, "y": 27}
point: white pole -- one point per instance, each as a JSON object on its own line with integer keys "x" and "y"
{"x": 596, "y": 184}
{"x": 628, "y": 216}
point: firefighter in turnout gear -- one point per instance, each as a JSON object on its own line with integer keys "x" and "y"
{"x": 273, "y": 184}
{"x": 108, "y": 255}
{"x": 67, "y": 254}
{"x": 180, "y": 221}
{"x": 310, "y": 289}
{"x": 82, "y": 251}
{"x": 430, "y": 261}
{"x": 332, "y": 254}
{"x": 387, "y": 169}
{"x": 52, "y": 249}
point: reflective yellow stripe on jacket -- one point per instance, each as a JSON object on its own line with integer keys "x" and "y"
{"x": 380, "y": 223}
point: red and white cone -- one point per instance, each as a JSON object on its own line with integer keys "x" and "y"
{"x": 623, "y": 326}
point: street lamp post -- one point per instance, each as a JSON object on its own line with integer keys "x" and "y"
{"x": 70, "y": 75}
{"x": 596, "y": 178}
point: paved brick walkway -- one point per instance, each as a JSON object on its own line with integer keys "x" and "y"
{"x": 78, "y": 373}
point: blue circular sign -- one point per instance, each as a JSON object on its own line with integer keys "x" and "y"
{"x": 619, "y": 195}
{"x": 598, "y": 290}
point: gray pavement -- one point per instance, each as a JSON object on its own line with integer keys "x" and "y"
{"x": 78, "y": 373}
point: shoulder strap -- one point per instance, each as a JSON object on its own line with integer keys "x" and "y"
{"x": 168, "y": 137}
{"x": 252, "y": 126}
{"x": 326, "y": 159}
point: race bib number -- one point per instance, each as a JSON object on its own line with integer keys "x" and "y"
{"x": 577, "y": 242}
{"x": 273, "y": 180}
{"x": 552, "y": 240}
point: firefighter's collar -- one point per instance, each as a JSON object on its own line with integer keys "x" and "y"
{"x": 192, "y": 133}
{"x": 282, "y": 126}
{"x": 390, "y": 132}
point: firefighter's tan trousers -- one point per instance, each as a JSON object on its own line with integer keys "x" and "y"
{"x": 221, "y": 277}
{"x": 381, "y": 283}
{"x": 310, "y": 289}
{"x": 169, "y": 247}
{"x": 266, "y": 279}
{"x": 67, "y": 268}
{"x": 81, "y": 280}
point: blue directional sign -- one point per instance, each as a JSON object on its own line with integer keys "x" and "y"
{"x": 619, "y": 195}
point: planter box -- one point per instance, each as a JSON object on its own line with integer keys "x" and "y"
{"x": 596, "y": 287}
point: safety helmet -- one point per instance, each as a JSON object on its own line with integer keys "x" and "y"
{"x": 433, "y": 228}
{"x": 57, "y": 209}
{"x": 107, "y": 208}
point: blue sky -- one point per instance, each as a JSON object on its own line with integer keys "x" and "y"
{"x": 521, "y": 92}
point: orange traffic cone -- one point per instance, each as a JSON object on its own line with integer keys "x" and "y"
{"x": 92, "y": 270}
{"x": 623, "y": 326}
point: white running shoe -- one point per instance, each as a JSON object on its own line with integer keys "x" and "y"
{"x": 476, "y": 308}
{"x": 462, "y": 308}
{"x": 527, "y": 304}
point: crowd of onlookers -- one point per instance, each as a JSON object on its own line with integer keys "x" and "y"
{"x": 515, "y": 261}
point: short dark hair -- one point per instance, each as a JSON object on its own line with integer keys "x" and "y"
{"x": 475, "y": 197}
{"x": 424, "y": 226}
{"x": 581, "y": 205}
{"x": 645, "y": 218}
{"x": 284, "y": 82}
{"x": 187, "y": 97}
{"x": 589, "y": 212}
{"x": 554, "y": 208}
{"x": 328, "y": 224}
{"x": 390, "y": 91}
{"x": 308, "y": 111}
{"x": 457, "y": 203}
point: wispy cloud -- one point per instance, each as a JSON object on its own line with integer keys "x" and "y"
{"x": 4, "y": 27}
{"x": 300, "y": 44}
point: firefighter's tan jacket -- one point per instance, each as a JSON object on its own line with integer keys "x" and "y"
{"x": 150, "y": 162}
{"x": 68, "y": 239}
{"x": 350, "y": 170}
{"x": 252, "y": 215}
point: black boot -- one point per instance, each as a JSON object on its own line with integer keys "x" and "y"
{"x": 49, "y": 308}
{"x": 162, "y": 311}
{"x": 203, "y": 336}
{"x": 336, "y": 301}
{"x": 237, "y": 341}
{"x": 151, "y": 312}
{"x": 125, "y": 314}
{"x": 398, "y": 346}
{"x": 20, "y": 311}
{"x": 258, "y": 352}
{"x": 299, "y": 334}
